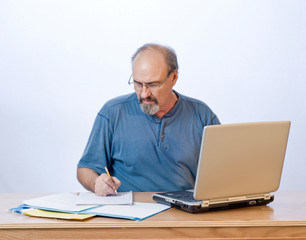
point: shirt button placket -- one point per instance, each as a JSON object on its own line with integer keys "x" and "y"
{"x": 162, "y": 132}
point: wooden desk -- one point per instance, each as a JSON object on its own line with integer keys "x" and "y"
{"x": 285, "y": 218}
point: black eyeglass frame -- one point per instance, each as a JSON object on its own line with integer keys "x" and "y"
{"x": 150, "y": 86}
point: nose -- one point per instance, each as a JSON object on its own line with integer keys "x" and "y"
{"x": 145, "y": 91}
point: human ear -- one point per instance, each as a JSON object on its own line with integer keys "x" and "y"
{"x": 174, "y": 77}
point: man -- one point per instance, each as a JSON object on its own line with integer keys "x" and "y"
{"x": 149, "y": 140}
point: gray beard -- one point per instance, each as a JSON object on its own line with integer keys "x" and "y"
{"x": 149, "y": 109}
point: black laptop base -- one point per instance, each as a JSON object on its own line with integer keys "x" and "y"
{"x": 197, "y": 208}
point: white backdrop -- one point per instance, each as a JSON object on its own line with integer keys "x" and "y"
{"x": 60, "y": 61}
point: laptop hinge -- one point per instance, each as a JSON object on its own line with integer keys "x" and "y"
{"x": 205, "y": 204}
{"x": 267, "y": 196}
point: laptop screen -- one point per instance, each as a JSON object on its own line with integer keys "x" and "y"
{"x": 241, "y": 159}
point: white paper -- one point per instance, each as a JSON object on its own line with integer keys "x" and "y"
{"x": 90, "y": 198}
{"x": 66, "y": 202}
{"x": 60, "y": 201}
{"x": 136, "y": 211}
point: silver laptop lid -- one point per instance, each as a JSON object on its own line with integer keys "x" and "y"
{"x": 241, "y": 159}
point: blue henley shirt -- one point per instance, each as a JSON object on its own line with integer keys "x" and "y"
{"x": 145, "y": 152}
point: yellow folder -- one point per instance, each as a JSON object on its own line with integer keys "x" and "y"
{"x": 59, "y": 215}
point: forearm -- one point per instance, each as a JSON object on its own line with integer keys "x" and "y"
{"x": 87, "y": 178}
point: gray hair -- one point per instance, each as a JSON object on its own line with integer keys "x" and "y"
{"x": 168, "y": 52}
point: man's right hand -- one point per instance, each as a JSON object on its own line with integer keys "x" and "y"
{"x": 106, "y": 185}
{"x": 102, "y": 185}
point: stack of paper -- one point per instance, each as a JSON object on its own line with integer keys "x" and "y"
{"x": 84, "y": 205}
{"x": 65, "y": 202}
{"x": 87, "y": 198}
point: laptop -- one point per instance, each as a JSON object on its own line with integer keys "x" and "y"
{"x": 239, "y": 165}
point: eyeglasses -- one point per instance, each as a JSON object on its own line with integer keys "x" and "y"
{"x": 153, "y": 86}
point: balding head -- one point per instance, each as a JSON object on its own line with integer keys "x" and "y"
{"x": 168, "y": 54}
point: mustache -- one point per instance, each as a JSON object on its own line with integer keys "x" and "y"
{"x": 148, "y": 98}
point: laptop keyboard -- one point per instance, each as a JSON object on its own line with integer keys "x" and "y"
{"x": 186, "y": 196}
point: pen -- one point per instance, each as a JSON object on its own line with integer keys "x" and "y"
{"x": 109, "y": 176}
